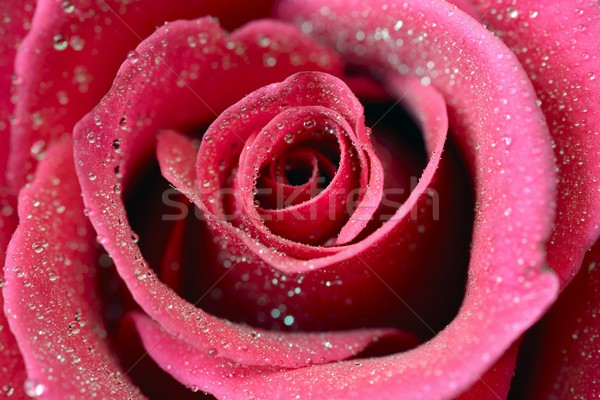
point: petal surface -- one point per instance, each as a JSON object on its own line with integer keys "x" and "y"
{"x": 72, "y": 53}
{"x": 49, "y": 290}
{"x": 563, "y": 69}
{"x": 569, "y": 362}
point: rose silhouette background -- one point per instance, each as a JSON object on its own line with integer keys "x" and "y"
{"x": 247, "y": 297}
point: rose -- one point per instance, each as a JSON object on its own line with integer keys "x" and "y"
{"x": 40, "y": 248}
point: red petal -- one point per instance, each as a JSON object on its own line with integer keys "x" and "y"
{"x": 16, "y": 15}
{"x": 12, "y": 366}
{"x": 495, "y": 383}
{"x": 51, "y": 303}
{"x": 508, "y": 287}
{"x": 569, "y": 365}
{"x": 555, "y": 42}
{"x": 70, "y": 58}
{"x": 152, "y": 91}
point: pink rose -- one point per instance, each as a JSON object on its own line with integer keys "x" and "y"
{"x": 223, "y": 219}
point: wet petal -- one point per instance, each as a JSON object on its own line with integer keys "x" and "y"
{"x": 568, "y": 366}
{"x": 564, "y": 72}
{"x": 72, "y": 53}
{"x": 50, "y": 298}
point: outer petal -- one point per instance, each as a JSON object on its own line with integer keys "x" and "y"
{"x": 13, "y": 27}
{"x": 557, "y": 42}
{"x": 14, "y": 23}
{"x": 570, "y": 348}
{"x": 70, "y": 57}
{"x": 49, "y": 290}
{"x": 12, "y": 367}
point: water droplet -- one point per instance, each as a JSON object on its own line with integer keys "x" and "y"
{"x": 91, "y": 137}
{"x": 311, "y": 123}
{"x": 133, "y": 56}
{"x": 92, "y": 176}
{"x": 67, "y": 6}
{"x": 33, "y": 388}
{"x": 37, "y": 149}
{"x": 52, "y": 275}
{"x": 269, "y": 61}
{"x": 116, "y": 144}
{"x": 60, "y": 42}
{"x": 135, "y": 238}
{"x": 289, "y": 138}
{"x": 77, "y": 43}
{"x": 39, "y": 247}
{"x": 73, "y": 328}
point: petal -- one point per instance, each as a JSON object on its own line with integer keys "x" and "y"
{"x": 70, "y": 57}
{"x": 220, "y": 376}
{"x": 391, "y": 251}
{"x": 14, "y": 22}
{"x": 495, "y": 383}
{"x": 152, "y": 89}
{"x": 563, "y": 69}
{"x": 12, "y": 366}
{"x": 569, "y": 365}
{"x": 16, "y": 16}
{"x": 508, "y": 287}
{"x": 49, "y": 290}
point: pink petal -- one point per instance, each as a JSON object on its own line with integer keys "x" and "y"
{"x": 495, "y": 383}
{"x": 176, "y": 155}
{"x": 51, "y": 303}
{"x": 12, "y": 366}
{"x": 220, "y": 376}
{"x": 70, "y": 58}
{"x": 508, "y": 287}
{"x": 153, "y": 92}
{"x": 16, "y": 17}
{"x": 311, "y": 269}
{"x": 555, "y": 42}
{"x": 569, "y": 366}
{"x": 14, "y": 22}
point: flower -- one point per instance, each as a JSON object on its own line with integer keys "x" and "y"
{"x": 308, "y": 295}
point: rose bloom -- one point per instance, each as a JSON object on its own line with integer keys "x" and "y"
{"x": 299, "y": 199}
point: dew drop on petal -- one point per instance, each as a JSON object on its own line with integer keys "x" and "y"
{"x": 33, "y": 388}
{"x": 67, "y": 6}
{"x": 60, "y": 42}
{"x": 133, "y": 56}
